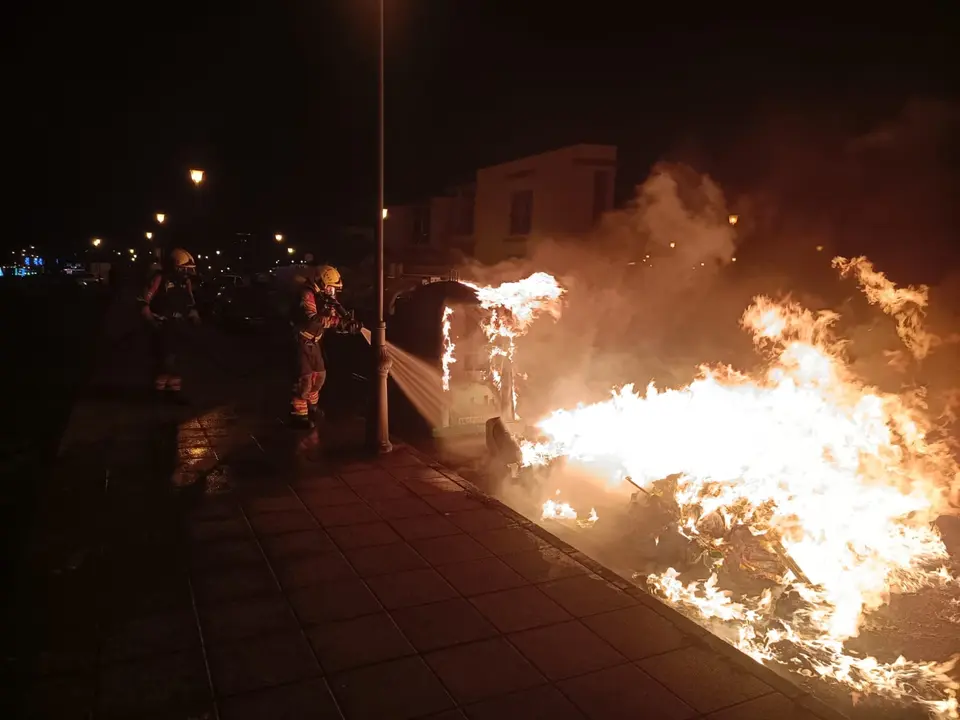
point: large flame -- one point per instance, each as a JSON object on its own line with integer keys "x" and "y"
{"x": 843, "y": 479}
{"x": 448, "y": 347}
{"x": 512, "y": 307}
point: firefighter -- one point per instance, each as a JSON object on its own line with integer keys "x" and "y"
{"x": 312, "y": 316}
{"x": 167, "y": 303}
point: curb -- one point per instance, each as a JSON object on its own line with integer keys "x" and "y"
{"x": 697, "y": 632}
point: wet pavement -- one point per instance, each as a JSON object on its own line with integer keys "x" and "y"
{"x": 204, "y": 561}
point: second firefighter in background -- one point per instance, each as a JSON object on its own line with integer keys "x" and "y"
{"x": 314, "y": 315}
{"x": 167, "y": 303}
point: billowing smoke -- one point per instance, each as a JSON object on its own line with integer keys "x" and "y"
{"x": 632, "y": 283}
{"x": 657, "y": 289}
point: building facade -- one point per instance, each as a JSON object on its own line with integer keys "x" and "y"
{"x": 555, "y": 194}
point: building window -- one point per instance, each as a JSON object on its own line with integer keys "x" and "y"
{"x": 521, "y": 212}
{"x": 421, "y": 226}
{"x": 601, "y": 190}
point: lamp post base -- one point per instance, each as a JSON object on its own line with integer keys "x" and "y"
{"x": 381, "y": 438}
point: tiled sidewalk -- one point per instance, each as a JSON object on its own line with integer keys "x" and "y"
{"x": 256, "y": 576}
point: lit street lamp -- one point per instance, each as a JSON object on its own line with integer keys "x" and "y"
{"x": 278, "y": 237}
{"x": 160, "y": 218}
{"x": 290, "y": 251}
{"x": 382, "y": 435}
{"x": 149, "y": 235}
{"x": 197, "y": 177}
{"x": 96, "y": 242}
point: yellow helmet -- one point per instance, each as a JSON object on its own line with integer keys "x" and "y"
{"x": 329, "y": 276}
{"x": 182, "y": 260}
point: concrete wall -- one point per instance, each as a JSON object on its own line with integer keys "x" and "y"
{"x": 563, "y": 186}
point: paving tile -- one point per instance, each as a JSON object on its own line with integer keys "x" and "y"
{"x": 283, "y": 521}
{"x": 506, "y": 540}
{"x": 480, "y": 670}
{"x": 475, "y": 577}
{"x": 337, "y": 600}
{"x": 297, "y": 544}
{"x": 582, "y": 595}
{"x": 366, "y": 640}
{"x": 544, "y": 702}
{"x": 637, "y": 631}
{"x": 437, "y": 625}
{"x": 543, "y": 565}
{"x": 432, "y": 486}
{"x": 519, "y": 609}
{"x": 386, "y": 491}
{"x": 566, "y": 649}
{"x": 281, "y": 499}
{"x": 215, "y": 507}
{"x": 315, "y": 483}
{"x": 310, "y": 699}
{"x": 307, "y": 570}
{"x": 225, "y": 553}
{"x": 65, "y": 697}
{"x": 153, "y": 684}
{"x": 350, "y": 537}
{"x": 450, "y": 549}
{"x": 232, "y": 621}
{"x": 345, "y": 515}
{"x": 150, "y": 634}
{"x": 765, "y": 708}
{"x": 217, "y": 586}
{"x": 719, "y": 683}
{"x": 231, "y": 528}
{"x": 428, "y": 526}
{"x": 383, "y": 559}
{"x": 395, "y": 690}
{"x": 415, "y": 472}
{"x": 405, "y": 507}
{"x": 623, "y": 693}
{"x": 331, "y": 497}
{"x": 454, "y": 501}
{"x": 447, "y": 715}
{"x": 399, "y": 458}
{"x": 271, "y": 660}
{"x": 372, "y": 476}
{"x": 411, "y": 587}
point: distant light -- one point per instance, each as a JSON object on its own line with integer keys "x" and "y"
{"x": 385, "y": 213}
{"x": 633, "y": 262}
{"x": 208, "y": 267}
{"x": 131, "y": 251}
{"x": 701, "y": 264}
{"x": 218, "y": 252}
{"x": 96, "y": 242}
{"x": 149, "y": 236}
{"x": 197, "y": 177}
{"x": 673, "y": 244}
{"x": 290, "y": 251}
{"x": 278, "y": 237}
{"x": 160, "y": 218}
{"x": 733, "y": 259}
{"x": 733, "y": 219}
{"x": 819, "y": 248}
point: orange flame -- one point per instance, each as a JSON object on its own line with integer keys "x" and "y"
{"x": 846, "y": 479}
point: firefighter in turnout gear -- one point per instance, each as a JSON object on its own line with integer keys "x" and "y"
{"x": 167, "y": 303}
{"x": 315, "y": 313}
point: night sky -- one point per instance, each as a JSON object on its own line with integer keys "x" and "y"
{"x": 278, "y": 104}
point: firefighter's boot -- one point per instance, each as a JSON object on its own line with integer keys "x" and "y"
{"x": 300, "y": 422}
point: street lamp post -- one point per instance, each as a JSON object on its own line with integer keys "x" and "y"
{"x": 382, "y": 356}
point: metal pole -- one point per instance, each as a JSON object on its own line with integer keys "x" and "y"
{"x": 383, "y": 359}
